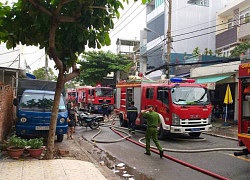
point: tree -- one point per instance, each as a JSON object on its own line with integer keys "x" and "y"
{"x": 40, "y": 73}
{"x": 206, "y": 51}
{"x": 210, "y": 52}
{"x": 63, "y": 28}
{"x": 196, "y": 52}
{"x": 98, "y": 64}
{"x": 240, "y": 49}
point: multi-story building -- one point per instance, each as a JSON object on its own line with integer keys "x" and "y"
{"x": 232, "y": 26}
{"x": 193, "y": 24}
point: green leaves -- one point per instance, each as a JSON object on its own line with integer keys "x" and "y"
{"x": 95, "y": 65}
{"x": 10, "y": 43}
{"x": 40, "y": 73}
{"x": 107, "y": 39}
{"x": 90, "y": 23}
{"x": 35, "y": 143}
{"x": 17, "y": 142}
{"x": 240, "y": 49}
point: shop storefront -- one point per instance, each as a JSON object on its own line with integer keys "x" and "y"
{"x": 216, "y": 78}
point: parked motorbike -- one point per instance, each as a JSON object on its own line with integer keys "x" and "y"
{"x": 89, "y": 120}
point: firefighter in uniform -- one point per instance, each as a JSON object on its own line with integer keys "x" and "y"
{"x": 132, "y": 114}
{"x": 105, "y": 106}
{"x": 153, "y": 122}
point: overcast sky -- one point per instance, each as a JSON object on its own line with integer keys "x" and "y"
{"x": 132, "y": 20}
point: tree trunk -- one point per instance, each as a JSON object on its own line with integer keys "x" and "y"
{"x": 53, "y": 121}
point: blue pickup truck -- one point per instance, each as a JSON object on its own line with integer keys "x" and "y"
{"x": 34, "y": 108}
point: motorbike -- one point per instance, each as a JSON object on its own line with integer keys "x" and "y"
{"x": 89, "y": 120}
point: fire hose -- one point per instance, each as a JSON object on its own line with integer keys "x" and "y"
{"x": 117, "y": 128}
{"x": 154, "y": 149}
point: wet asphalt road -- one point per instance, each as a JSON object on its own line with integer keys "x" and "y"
{"x": 222, "y": 163}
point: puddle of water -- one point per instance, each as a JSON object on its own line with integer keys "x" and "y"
{"x": 118, "y": 167}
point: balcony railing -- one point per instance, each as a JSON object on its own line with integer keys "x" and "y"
{"x": 244, "y": 31}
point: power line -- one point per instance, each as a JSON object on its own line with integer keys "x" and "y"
{"x": 37, "y": 59}
{"x": 206, "y": 28}
{"x": 9, "y": 62}
{"x": 199, "y": 30}
{"x": 204, "y": 62}
{"x": 9, "y": 52}
{"x": 15, "y": 60}
{"x": 200, "y": 35}
{"x": 194, "y": 25}
{"x": 124, "y": 14}
{"x": 31, "y": 52}
{"x": 128, "y": 22}
{"x": 136, "y": 15}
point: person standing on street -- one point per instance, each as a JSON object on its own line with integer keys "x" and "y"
{"x": 105, "y": 107}
{"x": 153, "y": 122}
{"x": 132, "y": 114}
{"x": 71, "y": 120}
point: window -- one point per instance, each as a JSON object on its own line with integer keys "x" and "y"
{"x": 189, "y": 95}
{"x": 163, "y": 95}
{"x": 149, "y": 93}
{"x": 158, "y": 3}
{"x": 40, "y": 102}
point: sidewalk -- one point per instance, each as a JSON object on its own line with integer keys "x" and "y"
{"x": 71, "y": 169}
{"x": 57, "y": 169}
{"x": 228, "y": 129}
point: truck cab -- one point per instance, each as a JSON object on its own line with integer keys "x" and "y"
{"x": 34, "y": 113}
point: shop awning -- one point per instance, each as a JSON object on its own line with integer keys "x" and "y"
{"x": 210, "y": 79}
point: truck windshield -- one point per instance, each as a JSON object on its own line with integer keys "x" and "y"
{"x": 40, "y": 102}
{"x": 104, "y": 92}
{"x": 72, "y": 94}
{"x": 189, "y": 95}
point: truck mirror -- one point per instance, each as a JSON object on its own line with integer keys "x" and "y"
{"x": 15, "y": 102}
{"x": 211, "y": 94}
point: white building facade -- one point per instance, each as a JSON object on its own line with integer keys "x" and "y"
{"x": 193, "y": 24}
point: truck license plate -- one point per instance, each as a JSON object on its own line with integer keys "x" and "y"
{"x": 195, "y": 129}
{"x": 43, "y": 128}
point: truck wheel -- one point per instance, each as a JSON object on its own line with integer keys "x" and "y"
{"x": 194, "y": 134}
{"x": 122, "y": 122}
{"x": 161, "y": 133}
{"x": 59, "y": 137}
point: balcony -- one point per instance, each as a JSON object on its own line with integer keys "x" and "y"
{"x": 244, "y": 32}
{"x": 226, "y": 38}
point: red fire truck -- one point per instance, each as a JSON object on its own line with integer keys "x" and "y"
{"x": 183, "y": 106}
{"x": 244, "y": 108}
{"x": 91, "y": 98}
{"x": 71, "y": 96}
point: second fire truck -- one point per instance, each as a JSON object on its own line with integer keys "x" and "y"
{"x": 91, "y": 98}
{"x": 183, "y": 106}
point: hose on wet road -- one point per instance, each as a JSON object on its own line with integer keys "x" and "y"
{"x": 127, "y": 136}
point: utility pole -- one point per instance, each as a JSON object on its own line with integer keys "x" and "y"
{"x": 46, "y": 67}
{"x": 169, "y": 38}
